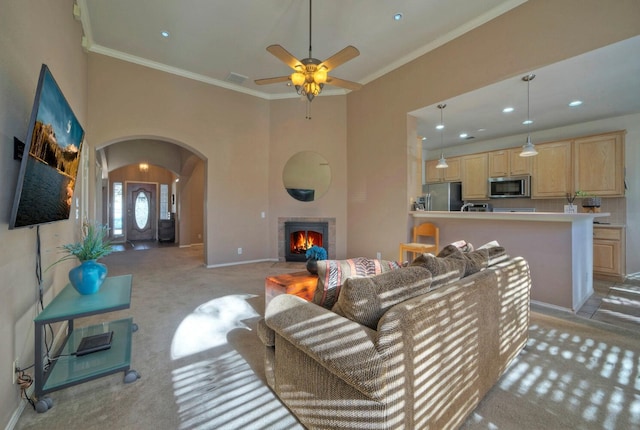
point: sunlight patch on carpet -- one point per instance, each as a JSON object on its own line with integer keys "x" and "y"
{"x": 223, "y": 392}
{"x": 209, "y": 324}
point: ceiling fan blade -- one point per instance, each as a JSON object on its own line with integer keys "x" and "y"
{"x": 266, "y": 81}
{"x": 337, "y": 82}
{"x": 339, "y": 58}
{"x": 284, "y": 56}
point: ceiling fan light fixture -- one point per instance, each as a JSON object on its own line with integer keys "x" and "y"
{"x": 320, "y": 75}
{"x": 297, "y": 78}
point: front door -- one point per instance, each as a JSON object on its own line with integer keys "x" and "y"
{"x": 141, "y": 211}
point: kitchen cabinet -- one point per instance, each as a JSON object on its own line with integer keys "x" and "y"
{"x": 474, "y": 171}
{"x": 450, "y": 174}
{"x": 552, "y": 170}
{"x": 609, "y": 253}
{"x": 508, "y": 162}
{"x": 599, "y": 164}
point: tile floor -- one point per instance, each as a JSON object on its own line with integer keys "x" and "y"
{"x": 605, "y": 289}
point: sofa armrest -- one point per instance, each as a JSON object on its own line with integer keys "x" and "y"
{"x": 344, "y": 347}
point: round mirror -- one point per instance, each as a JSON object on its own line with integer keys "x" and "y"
{"x": 306, "y": 176}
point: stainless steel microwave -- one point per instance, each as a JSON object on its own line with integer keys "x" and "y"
{"x": 514, "y": 186}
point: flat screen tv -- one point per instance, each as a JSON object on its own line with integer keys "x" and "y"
{"x": 50, "y": 160}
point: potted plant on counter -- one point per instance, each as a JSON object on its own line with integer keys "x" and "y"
{"x": 94, "y": 244}
{"x": 314, "y": 254}
{"x": 589, "y": 201}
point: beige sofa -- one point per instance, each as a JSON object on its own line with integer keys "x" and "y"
{"x": 425, "y": 363}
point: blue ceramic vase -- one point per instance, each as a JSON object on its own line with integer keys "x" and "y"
{"x": 88, "y": 276}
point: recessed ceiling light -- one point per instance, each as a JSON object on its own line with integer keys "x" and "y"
{"x": 575, "y": 103}
{"x": 424, "y": 138}
{"x": 397, "y": 17}
{"x": 439, "y": 126}
{"x": 164, "y": 33}
{"x": 507, "y": 110}
{"x": 527, "y": 121}
{"x": 482, "y": 129}
{"x": 463, "y": 135}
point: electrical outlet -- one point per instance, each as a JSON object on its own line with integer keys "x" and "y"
{"x": 14, "y": 372}
{"x": 239, "y": 251}
{"x": 379, "y": 255}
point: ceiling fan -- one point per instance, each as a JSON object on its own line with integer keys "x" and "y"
{"x": 310, "y": 74}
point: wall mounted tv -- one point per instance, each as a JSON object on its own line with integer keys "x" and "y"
{"x": 50, "y": 160}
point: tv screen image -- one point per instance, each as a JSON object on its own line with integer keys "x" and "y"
{"x": 51, "y": 157}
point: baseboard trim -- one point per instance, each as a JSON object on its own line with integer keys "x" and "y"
{"x": 237, "y": 263}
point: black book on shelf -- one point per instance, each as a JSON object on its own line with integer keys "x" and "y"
{"x": 94, "y": 343}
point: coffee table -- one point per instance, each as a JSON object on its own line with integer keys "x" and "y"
{"x": 301, "y": 284}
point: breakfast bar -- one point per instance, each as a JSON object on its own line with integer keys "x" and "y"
{"x": 557, "y": 246}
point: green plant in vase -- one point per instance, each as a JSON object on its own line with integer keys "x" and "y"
{"x": 589, "y": 200}
{"x": 94, "y": 244}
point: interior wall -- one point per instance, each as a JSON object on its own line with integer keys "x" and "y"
{"x": 325, "y": 134}
{"x": 229, "y": 129}
{"x": 535, "y": 34}
{"x": 31, "y": 33}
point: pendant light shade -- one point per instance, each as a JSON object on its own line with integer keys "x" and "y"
{"x": 442, "y": 163}
{"x": 528, "y": 150}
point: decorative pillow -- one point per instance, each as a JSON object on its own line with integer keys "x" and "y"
{"x": 477, "y": 260}
{"x": 365, "y": 300}
{"x": 443, "y": 270}
{"x": 333, "y": 273}
{"x": 497, "y": 253}
{"x": 463, "y": 245}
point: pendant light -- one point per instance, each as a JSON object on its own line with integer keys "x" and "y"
{"x": 442, "y": 163}
{"x": 528, "y": 149}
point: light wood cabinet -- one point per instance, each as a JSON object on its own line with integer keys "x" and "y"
{"x": 450, "y": 174}
{"x": 609, "y": 253}
{"x": 599, "y": 164}
{"x": 474, "y": 171}
{"x": 552, "y": 170}
{"x": 508, "y": 162}
{"x": 519, "y": 165}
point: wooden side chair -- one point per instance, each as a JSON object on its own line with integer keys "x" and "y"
{"x": 416, "y": 246}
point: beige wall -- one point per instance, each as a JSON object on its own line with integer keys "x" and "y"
{"x": 229, "y": 130}
{"x": 535, "y": 34}
{"x": 245, "y": 142}
{"x": 325, "y": 133}
{"x": 31, "y": 33}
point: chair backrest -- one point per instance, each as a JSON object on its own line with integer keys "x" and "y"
{"x": 429, "y": 230}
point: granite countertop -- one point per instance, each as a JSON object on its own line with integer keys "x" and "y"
{"x": 514, "y": 216}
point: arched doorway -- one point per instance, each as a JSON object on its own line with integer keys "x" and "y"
{"x": 153, "y": 190}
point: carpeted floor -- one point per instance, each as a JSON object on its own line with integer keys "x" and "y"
{"x": 201, "y": 362}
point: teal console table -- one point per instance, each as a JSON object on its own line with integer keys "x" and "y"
{"x": 66, "y": 369}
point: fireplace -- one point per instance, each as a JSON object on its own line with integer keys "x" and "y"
{"x": 302, "y": 235}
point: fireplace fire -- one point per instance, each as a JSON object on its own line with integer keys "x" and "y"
{"x": 300, "y": 236}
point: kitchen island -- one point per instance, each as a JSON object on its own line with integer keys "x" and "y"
{"x": 557, "y": 246}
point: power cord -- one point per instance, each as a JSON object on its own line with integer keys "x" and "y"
{"x": 24, "y": 381}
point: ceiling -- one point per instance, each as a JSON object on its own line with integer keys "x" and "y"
{"x": 224, "y": 43}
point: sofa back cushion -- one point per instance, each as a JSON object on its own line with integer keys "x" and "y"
{"x": 477, "y": 260}
{"x": 443, "y": 270}
{"x": 365, "y": 300}
{"x": 333, "y": 273}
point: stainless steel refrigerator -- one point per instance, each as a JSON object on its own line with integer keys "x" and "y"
{"x": 445, "y": 196}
